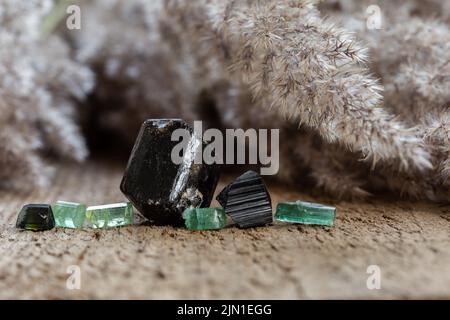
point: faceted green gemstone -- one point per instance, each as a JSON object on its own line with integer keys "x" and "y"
{"x": 305, "y": 213}
{"x": 35, "y": 217}
{"x": 110, "y": 215}
{"x": 204, "y": 218}
{"x": 69, "y": 214}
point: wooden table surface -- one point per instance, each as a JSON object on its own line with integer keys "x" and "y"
{"x": 410, "y": 242}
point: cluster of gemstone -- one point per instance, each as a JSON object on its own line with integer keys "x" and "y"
{"x": 248, "y": 203}
{"x": 63, "y": 214}
{"x": 171, "y": 193}
{"x": 245, "y": 200}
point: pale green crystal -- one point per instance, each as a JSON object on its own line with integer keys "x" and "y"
{"x": 110, "y": 215}
{"x": 204, "y": 218}
{"x": 305, "y": 213}
{"x": 69, "y": 214}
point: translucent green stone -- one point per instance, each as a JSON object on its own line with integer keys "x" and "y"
{"x": 204, "y": 218}
{"x": 69, "y": 214}
{"x": 110, "y": 215}
{"x": 35, "y": 217}
{"x": 305, "y": 213}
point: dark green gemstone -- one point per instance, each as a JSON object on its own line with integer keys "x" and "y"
{"x": 159, "y": 188}
{"x": 305, "y": 213}
{"x": 36, "y": 217}
{"x": 205, "y": 218}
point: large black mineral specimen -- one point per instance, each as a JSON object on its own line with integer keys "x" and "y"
{"x": 36, "y": 217}
{"x": 247, "y": 201}
{"x": 160, "y": 188}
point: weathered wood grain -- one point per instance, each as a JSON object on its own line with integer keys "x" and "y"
{"x": 409, "y": 241}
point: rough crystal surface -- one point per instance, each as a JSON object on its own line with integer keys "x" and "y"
{"x": 69, "y": 214}
{"x": 36, "y": 217}
{"x": 247, "y": 201}
{"x": 159, "y": 188}
{"x": 305, "y": 213}
{"x": 110, "y": 215}
{"x": 205, "y": 218}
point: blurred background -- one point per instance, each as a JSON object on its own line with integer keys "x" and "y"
{"x": 77, "y": 78}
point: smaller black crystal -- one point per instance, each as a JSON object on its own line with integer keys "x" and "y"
{"x": 36, "y": 217}
{"x": 247, "y": 201}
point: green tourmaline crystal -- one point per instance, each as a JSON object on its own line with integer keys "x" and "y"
{"x": 305, "y": 213}
{"x": 110, "y": 215}
{"x": 35, "y": 217}
{"x": 204, "y": 218}
{"x": 69, "y": 214}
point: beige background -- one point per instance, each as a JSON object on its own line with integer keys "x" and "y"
{"x": 409, "y": 241}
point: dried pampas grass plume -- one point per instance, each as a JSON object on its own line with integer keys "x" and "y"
{"x": 250, "y": 63}
{"x": 313, "y": 72}
{"x": 38, "y": 83}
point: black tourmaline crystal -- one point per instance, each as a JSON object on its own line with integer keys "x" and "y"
{"x": 247, "y": 201}
{"x": 36, "y": 217}
{"x": 159, "y": 188}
